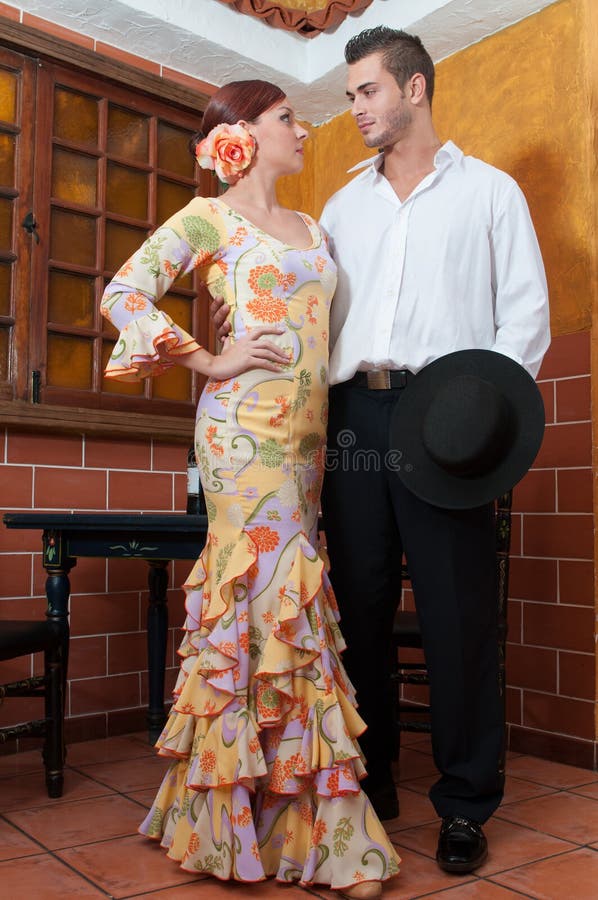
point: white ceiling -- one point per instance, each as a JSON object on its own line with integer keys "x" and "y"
{"x": 212, "y": 41}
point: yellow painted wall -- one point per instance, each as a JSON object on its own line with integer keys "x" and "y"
{"x": 521, "y": 100}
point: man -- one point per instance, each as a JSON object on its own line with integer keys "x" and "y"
{"x": 436, "y": 253}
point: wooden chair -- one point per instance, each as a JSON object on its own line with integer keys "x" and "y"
{"x": 20, "y": 638}
{"x": 412, "y": 716}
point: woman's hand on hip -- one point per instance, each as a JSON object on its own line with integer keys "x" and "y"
{"x": 252, "y": 351}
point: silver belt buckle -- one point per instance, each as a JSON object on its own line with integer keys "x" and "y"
{"x": 378, "y": 379}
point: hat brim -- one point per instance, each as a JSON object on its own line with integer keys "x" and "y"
{"x": 429, "y": 481}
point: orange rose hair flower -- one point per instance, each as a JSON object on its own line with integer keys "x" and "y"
{"x": 227, "y": 150}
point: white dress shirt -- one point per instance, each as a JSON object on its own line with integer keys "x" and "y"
{"x": 455, "y": 266}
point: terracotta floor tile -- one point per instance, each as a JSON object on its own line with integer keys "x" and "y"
{"x": 144, "y": 797}
{"x": 587, "y": 790}
{"x": 83, "y": 822}
{"x": 533, "y": 837}
{"x": 413, "y": 764}
{"x": 421, "y": 839}
{"x": 44, "y": 878}
{"x": 127, "y": 866}
{"x": 522, "y": 789}
{"x": 14, "y": 844}
{"x": 476, "y": 890}
{"x": 564, "y": 815}
{"x": 510, "y": 845}
{"x": 421, "y": 742}
{"x": 568, "y": 875}
{"x": 420, "y": 785}
{"x": 18, "y": 763}
{"x": 26, "y": 791}
{"x": 212, "y": 889}
{"x": 415, "y": 809}
{"x": 108, "y": 750}
{"x": 147, "y": 772}
{"x": 410, "y": 738}
{"x": 552, "y": 774}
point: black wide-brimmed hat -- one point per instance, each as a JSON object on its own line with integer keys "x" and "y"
{"x": 468, "y": 427}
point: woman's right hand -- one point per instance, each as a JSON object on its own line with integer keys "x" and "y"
{"x": 252, "y": 351}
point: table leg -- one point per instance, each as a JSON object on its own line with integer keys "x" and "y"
{"x": 58, "y": 589}
{"x": 157, "y": 634}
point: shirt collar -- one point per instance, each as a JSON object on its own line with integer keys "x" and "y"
{"x": 446, "y": 154}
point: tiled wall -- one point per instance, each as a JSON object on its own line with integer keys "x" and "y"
{"x": 107, "y": 665}
{"x": 551, "y": 658}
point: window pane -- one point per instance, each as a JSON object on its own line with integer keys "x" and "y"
{"x": 174, "y": 385}
{"x": 69, "y": 361}
{"x": 110, "y": 386}
{"x": 126, "y": 191}
{"x": 73, "y": 238}
{"x": 5, "y": 285}
{"x": 8, "y": 96}
{"x": 128, "y": 134}
{"x": 179, "y": 309}
{"x": 71, "y": 299}
{"x": 5, "y": 224}
{"x": 121, "y": 242}
{"x": 75, "y": 117}
{"x": 4, "y": 346}
{"x": 7, "y": 160}
{"x": 171, "y": 198}
{"x": 74, "y": 177}
{"x": 173, "y": 150}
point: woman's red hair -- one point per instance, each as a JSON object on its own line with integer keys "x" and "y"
{"x": 235, "y": 101}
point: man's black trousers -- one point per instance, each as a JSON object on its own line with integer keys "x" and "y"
{"x": 370, "y": 520}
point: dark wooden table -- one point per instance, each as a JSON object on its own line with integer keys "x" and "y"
{"x": 155, "y": 538}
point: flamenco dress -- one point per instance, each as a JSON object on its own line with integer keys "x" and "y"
{"x": 262, "y": 734}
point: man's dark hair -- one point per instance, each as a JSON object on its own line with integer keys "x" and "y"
{"x": 403, "y": 55}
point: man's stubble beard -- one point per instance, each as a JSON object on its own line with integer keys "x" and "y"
{"x": 394, "y": 125}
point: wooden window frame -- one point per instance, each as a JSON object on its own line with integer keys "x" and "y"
{"x": 23, "y": 414}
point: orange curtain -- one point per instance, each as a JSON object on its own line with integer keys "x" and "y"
{"x": 306, "y": 17}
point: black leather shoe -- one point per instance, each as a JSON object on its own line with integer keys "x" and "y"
{"x": 383, "y": 798}
{"x": 462, "y": 845}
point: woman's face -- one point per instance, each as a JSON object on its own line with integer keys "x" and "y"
{"x": 279, "y": 139}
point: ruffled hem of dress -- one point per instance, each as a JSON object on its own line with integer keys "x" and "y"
{"x": 227, "y": 833}
{"x": 135, "y": 355}
{"x": 291, "y": 748}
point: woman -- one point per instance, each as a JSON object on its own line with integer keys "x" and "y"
{"x": 263, "y": 729}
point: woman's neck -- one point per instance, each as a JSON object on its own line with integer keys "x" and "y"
{"x": 254, "y": 192}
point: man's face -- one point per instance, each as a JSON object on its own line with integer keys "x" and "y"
{"x": 380, "y": 107}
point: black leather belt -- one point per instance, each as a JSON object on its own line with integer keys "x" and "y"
{"x": 381, "y": 379}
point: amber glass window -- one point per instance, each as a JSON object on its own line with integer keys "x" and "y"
{"x": 88, "y": 169}
{"x": 118, "y": 165}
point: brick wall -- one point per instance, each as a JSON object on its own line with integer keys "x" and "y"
{"x": 551, "y": 654}
{"x": 107, "y": 689}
